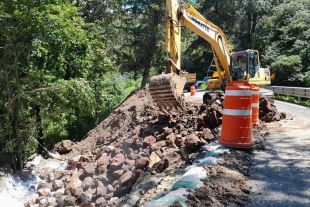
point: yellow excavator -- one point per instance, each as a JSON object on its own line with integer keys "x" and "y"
{"x": 167, "y": 89}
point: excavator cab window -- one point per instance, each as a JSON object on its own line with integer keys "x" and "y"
{"x": 253, "y": 64}
{"x": 239, "y": 66}
{"x": 244, "y": 65}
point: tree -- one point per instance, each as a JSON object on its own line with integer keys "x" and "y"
{"x": 144, "y": 28}
{"x": 288, "y": 39}
{"x": 43, "y": 44}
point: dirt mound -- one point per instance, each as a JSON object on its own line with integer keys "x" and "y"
{"x": 138, "y": 142}
{"x": 126, "y": 121}
{"x": 223, "y": 187}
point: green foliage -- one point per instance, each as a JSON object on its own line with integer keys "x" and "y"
{"x": 203, "y": 86}
{"x": 288, "y": 35}
{"x": 288, "y": 71}
{"x": 293, "y": 100}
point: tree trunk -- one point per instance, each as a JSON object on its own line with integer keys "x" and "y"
{"x": 40, "y": 149}
{"x": 148, "y": 65}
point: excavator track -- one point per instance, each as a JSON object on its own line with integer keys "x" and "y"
{"x": 167, "y": 90}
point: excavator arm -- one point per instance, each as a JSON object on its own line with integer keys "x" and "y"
{"x": 166, "y": 89}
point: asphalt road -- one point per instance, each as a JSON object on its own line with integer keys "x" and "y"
{"x": 281, "y": 174}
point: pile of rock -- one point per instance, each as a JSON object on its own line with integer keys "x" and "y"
{"x": 133, "y": 139}
{"x": 268, "y": 111}
{"x": 100, "y": 176}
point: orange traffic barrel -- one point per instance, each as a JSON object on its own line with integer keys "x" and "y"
{"x": 192, "y": 90}
{"x": 237, "y": 116}
{"x": 255, "y": 104}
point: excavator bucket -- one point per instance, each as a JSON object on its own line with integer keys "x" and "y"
{"x": 167, "y": 90}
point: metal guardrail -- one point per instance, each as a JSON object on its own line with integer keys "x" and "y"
{"x": 290, "y": 91}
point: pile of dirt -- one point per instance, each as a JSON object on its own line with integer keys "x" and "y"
{"x": 139, "y": 140}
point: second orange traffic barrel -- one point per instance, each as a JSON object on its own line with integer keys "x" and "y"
{"x": 255, "y": 104}
{"x": 237, "y": 116}
{"x": 192, "y": 90}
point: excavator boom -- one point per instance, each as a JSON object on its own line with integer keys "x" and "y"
{"x": 166, "y": 89}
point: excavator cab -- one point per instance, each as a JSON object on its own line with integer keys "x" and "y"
{"x": 244, "y": 65}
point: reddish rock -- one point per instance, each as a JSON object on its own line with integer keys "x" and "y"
{"x": 44, "y": 191}
{"x": 94, "y": 191}
{"x": 141, "y": 163}
{"x": 88, "y": 182}
{"x": 179, "y": 141}
{"x": 57, "y": 184}
{"x": 130, "y": 162}
{"x": 31, "y": 200}
{"x": 51, "y": 177}
{"x": 46, "y": 185}
{"x": 99, "y": 184}
{"x": 101, "y": 201}
{"x": 59, "y": 193}
{"x": 106, "y": 178}
{"x": 166, "y": 132}
{"x": 124, "y": 177}
{"x": 128, "y": 142}
{"x": 158, "y": 145}
{"x": 72, "y": 164}
{"x": 117, "y": 161}
{"x": 268, "y": 117}
{"x": 160, "y": 166}
{"x": 215, "y": 119}
{"x": 76, "y": 192}
{"x": 133, "y": 156}
{"x": 70, "y": 200}
{"x": 170, "y": 139}
{"x": 139, "y": 142}
{"x": 200, "y": 121}
{"x": 87, "y": 204}
{"x": 102, "y": 168}
{"x": 103, "y": 160}
{"x": 77, "y": 174}
{"x": 74, "y": 183}
{"x": 90, "y": 169}
{"x": 86, "y": 196}
{"x": 115, "y": 184}
{"x": 117, "y": 173}
{"x": 108, "y": 196}
{"x": 99, "y": 177}
{"x": 173, "y": 157}
{"x": 58, "y": 175}
{"x": 43, "y": 202}
{"x": 85, "y": 158}
{"x": 51, "y": 201}
{"x": 95, "y": 151}
{"x": 192, "y": 141}
{"x": 45, "y": 172}
{"x": 64, "y": 146}
{"x": 81, "y": 165}
{"x": 101, "y": 191}
{"x": 110, "y": 188}
{"x": 207, "y": 134}
{"x": 149, "y": 141}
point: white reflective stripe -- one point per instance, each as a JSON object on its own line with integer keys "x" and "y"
{"x": 235, "y": 112}
{"x": 238, "y": 93}
{"x": 255, "y": 92}
{"x": 255, "y": 105}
